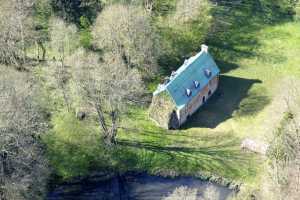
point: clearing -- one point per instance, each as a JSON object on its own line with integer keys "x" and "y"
{"x": 250, "y": 103}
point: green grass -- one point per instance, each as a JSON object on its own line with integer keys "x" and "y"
{"x": 248, "y": 104}
{"x": 258, "y": 62}
{"x": 185, "y": 152}
{"x": 74, "y": 147}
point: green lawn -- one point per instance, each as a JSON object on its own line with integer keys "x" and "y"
{"x": 259, "y": 63}
{"x": 249, "y": 103}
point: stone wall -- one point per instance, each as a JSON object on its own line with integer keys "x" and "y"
{"x": 161, "y": 109}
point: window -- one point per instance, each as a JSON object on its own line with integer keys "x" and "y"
{"x": 209, "y": 92}
{"x": 196, "y": 84}
{"x": 207, "y": 73}
{"x": 203, "y": 99}
{"x": 188, "y": 92}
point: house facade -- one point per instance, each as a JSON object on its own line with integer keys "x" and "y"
{"x": 185, "y": 91}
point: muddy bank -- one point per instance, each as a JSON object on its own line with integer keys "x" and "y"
{"x": 135, "y": 187}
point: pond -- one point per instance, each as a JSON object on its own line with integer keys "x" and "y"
{"x": 140, "y": 187}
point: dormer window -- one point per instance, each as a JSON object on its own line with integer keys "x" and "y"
{"x": 196, "y": 84}
{"x": 207, "y": 73}
{"x": 188, "y": 92}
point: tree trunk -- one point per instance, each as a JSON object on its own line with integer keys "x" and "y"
{"x": 114, "y": 127}
{"x": 43, "y": 51}
{"x": 111, "y": 134}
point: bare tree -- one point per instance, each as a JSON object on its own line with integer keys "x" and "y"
{"x": 56, "y": 77}
{"x": 107, "y": 85}
{"x": 15, "y": 30}
{"x": 63, "y": 38}
{"x": 149, "y": 4}
{"x": 127, "y": 31}
{"x": 23, "y": 168}
{"x": 190, "y": 10}
{"x": 188, "y": 193}
{"x": 55, "y": 73}
{"x": 183, "y": 193}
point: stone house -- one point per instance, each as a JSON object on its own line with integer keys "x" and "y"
{"x": 185, "y": 91}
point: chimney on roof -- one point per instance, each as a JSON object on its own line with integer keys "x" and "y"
{"x": 204, "y": 48}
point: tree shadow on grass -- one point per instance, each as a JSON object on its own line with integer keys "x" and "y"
{"x": 235, "y": 28}
{"x": 232, "y": 97}
{"x": 222, "y": 157}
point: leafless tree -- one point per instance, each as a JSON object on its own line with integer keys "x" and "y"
{"x": 108, "y": 85}
{"x": 149, "y": 4}
{"x": 189, "y": 11}
{"x": 63, "y": 38}
{"x": 23, "y": 168}
{"x": 183, "y": 192}
{"x": 186, "y": 193}
{"x": 55, "y": 74}
{"x": 127, "y": 31}
{"x": 15, "y": 30}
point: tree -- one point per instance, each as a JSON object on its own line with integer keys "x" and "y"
{"x": 183, "y": 192}
{"x": 41, "y": 15}
{"x": 15, "y": 30}
{"x": 56, "y": 88}
{"x": 127, "y": 31}
{"x": 72, "y": 10}
{"x": 107, "y": 85}
{"x": 183, "y": 31}
{"x": 187, "y": 193}
{"x": 63, "y": 38}
{"x": 23, "y": 168}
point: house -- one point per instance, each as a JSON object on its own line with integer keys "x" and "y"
{"x": 185, "y": 91}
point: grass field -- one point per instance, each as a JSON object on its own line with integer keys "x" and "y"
{"x": 259, "y": 63}
{"x": 250, "y": 103}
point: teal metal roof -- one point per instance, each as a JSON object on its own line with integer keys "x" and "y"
{"x": 192, "y": 70}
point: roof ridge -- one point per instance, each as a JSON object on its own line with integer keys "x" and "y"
{"x": 185, "y": 66}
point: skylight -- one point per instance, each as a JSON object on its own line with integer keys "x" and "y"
{"x": 188, "y": 92}
{"x": 196, "y": 84}
{"x": 207, "y": 72}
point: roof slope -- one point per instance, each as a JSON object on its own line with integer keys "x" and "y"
{"x": 192, "y": 70}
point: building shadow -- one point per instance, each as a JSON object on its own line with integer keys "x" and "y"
{"x": 226, "y": 66}
{"x": 231, "y": 98}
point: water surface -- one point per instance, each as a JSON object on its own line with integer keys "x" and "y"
{"x": 137, "y": 187}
